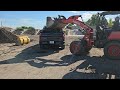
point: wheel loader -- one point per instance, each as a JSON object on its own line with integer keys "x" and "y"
{"x": 110, "y": 40}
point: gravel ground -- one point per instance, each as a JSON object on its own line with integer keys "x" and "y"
{"x": 29, "y": 62}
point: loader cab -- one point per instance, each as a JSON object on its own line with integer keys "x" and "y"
{"x": 114, "y": 28}
{"x": 105, "y": 28}
{"x": 105, "y": 33}
{"x": 116, "y": 25}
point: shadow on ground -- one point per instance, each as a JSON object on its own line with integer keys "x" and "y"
{"x": 65, "y": 61}
{"x": 33, "y": 54}
{"x": 95, "y": 68}
{"x": 99, "y": 67}
{"x": 29, "y": 54}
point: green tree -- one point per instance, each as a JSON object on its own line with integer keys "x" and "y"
{"x": 96, "y": 19}
{"x": 88, "y": 22}
{"x": 24, "y": 27}
{"x": 110, "y": 23}
{"x": 19, "y": 28}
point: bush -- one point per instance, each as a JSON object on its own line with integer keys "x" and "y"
{"x": 24, "y": 27}
{"x": 31, "y": 28}
{"x": 19, "y": 28}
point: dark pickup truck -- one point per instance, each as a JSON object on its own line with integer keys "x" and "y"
{"x": 52, "y": 38}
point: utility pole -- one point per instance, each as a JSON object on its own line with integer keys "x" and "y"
{"x": 1, "y": 24}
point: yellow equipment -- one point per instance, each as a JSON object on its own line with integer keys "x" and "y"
{"x": 21, "y": 40}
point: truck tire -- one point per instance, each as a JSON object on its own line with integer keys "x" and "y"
{"x": 62, "y": 47}
{"x": 112, "y": 50}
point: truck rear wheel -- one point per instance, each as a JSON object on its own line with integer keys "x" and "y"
{"x": 62, "y": 47}
{"x": 112, "y": 50}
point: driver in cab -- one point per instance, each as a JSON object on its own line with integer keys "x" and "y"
{"x": 116, "y": 25}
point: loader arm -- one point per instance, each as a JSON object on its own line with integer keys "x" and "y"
{"x": 110, "y": 13}
{"x": 89, "y": 31}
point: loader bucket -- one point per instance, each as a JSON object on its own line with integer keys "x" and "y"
{"x": 55, "y": 24}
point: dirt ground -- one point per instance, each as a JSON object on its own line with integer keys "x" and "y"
{"x": 29, "y": 62}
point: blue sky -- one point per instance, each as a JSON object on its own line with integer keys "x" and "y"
{"x": 37, "y": 19}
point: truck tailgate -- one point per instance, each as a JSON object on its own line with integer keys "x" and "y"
{"x": 51, "y": 37}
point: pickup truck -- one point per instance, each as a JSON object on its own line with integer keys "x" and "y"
{"x": 51, "y": 38}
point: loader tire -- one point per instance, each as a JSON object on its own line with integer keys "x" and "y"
{"x": 112, "y": 50}
{"x": 76, "y": 48}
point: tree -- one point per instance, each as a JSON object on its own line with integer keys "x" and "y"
{"x": 110, "y": 23}
{"x": 19, "y": 28}
{"x": 24, "y": 27}
{"x": 96, "y": 19}
{"x": 88, "y": 22}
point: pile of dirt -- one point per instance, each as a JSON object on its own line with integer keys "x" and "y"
{"x": 6, "y": 36}
{"x": 17, "y": 32}
{"x": 8, "y": 28}
{"x": 30, "y": 32}
{"x": 26, "y": 31}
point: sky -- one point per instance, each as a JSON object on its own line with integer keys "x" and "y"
{"x": 37, "y": 19}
